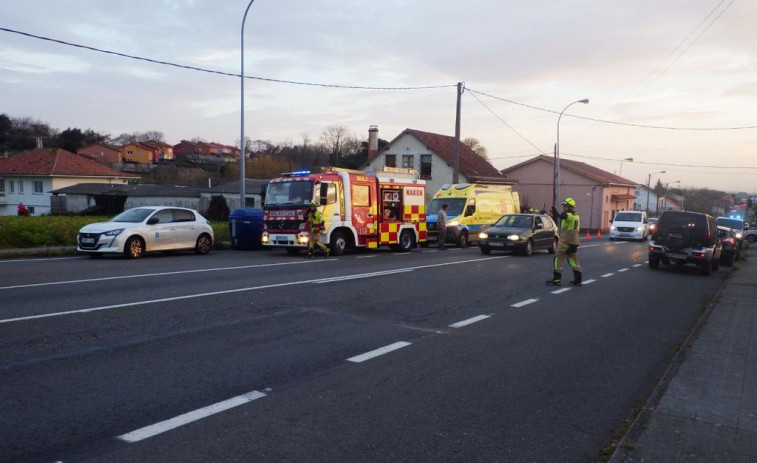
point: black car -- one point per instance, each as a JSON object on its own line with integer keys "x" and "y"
{"x": 686, "y": 238}
{"x": 737, "y": 225}
{"x": 522, "y": 233}
{"x": 731, "y": 249}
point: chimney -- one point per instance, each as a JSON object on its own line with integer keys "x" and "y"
{"x": 372, "y": 141}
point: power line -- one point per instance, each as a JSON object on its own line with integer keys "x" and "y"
{"x": 666, "y": 164}
{"x": 628, "y": 124}
{"x": 228, "y": 74}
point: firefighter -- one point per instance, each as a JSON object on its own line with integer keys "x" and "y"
{"x": 568, "y": 249}
{"x": 314, "y": 224}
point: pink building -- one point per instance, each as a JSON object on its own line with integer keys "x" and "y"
{"x": 598, "y": 193}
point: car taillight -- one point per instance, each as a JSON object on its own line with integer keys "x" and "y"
{"x": 707, "y": 235}
{"x": 728, "y": 241}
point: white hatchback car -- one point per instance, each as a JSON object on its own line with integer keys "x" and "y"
{"x": 145, "y": 229}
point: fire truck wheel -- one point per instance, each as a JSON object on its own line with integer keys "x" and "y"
{"x": 406, "y": 241}
{"x": 338, "y": 243}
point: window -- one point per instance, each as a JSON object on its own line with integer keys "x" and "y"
{"x": 2, "y": 186}
{"x": 407, "y": 161}
{"x": 391, "y": 160}
{"x": 425, "y": 166}
{"x": 249, "y": 202}
{"x": 361, "y": 195}
{"x": 331, "y": 194}
{"x": 180, "y": 215}
{"x": 37, "y": 187}
{"x": 20, "y": 186}
{"x": 164, "y": 216}
{"x": 12, "y": 186}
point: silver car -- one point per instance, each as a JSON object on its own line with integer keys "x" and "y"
{"x": 145, "y": 229}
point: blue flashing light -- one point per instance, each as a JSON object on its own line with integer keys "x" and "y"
{"x": 298, "y": 173}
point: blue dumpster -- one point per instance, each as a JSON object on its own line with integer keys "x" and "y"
{"x": 245, "y": 228}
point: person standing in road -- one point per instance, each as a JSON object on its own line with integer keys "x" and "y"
{"x": 568, "y": 249}
{"x": 441, "y": 224}
{"x": 314, "y": 224}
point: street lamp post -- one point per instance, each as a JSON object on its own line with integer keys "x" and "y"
{"x": 556, "y": 185}
{"x": 241, "y": 123}
{"x": 621, "y": 165}
{"x": 649, "y": 179}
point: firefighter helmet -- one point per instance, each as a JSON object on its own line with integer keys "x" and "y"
{"x": 569, "y": 202}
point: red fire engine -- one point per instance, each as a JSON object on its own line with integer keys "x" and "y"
{"x": 360, "y": 210}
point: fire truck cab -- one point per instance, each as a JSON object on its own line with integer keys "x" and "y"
{"x": 360, "y": 209}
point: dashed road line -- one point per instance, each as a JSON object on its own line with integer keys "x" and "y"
{"x": 607, "y": 275}
{"x": 622, "y": 270}
{"x": 378, "y": 352}
{"x": 186, "y": 418}
{"x": 469, "y": 321}
{"x": 524, "y": 303}
{"x": 560, "y": 291}
{"x": 588, "y": 282}
{"x": 637, "y": 265}
{"x": 365, "y": 257}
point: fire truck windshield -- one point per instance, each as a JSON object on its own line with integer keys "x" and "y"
{"x": 292, "y": 193}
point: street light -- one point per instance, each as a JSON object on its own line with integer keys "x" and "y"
{"x": 649, "y": 179}
{"x": 556, "y": 185}
{"x": 241, "y": 124}
{"x": 621, "y": 165}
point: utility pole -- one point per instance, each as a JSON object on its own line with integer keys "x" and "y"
{"x": 456, "y": 155}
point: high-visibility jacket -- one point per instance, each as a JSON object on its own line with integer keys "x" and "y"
{"x": 314, "y": 221}
{"x": 569, "y": 227}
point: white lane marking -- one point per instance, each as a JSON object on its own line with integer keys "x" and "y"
{"x": 584, "y": 246}
{"x": 560, "y": 291}
{"x": 228, "y": 291}
{"x": 181, "y": 420}
{"x": 178, "y": 272}
{"x": 588, "y": 282}
{"x": 606, "y": 275}
{"x": 39, "y": 259}
{"x": 362, "y": 275}
{"x": 524, "y": 303}
{"x": 377, "y": 352}
{"x": 637, "y": 265}
{"x": 402, "y": 254}
{"x": 622, "y": 270}
{"x": 365, "y": 257}
{"x": 469, "y": 321}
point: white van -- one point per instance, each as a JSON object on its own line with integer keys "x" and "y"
{"x": 629, "y": 225}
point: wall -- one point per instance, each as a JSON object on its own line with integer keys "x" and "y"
{"x": 39, "y": 201}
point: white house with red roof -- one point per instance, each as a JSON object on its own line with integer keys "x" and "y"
{"x": 432, "y": 155}
{"x": 30, "y": 176}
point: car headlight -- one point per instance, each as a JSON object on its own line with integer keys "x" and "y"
{"x": 739, "y": 235}
{"x": 115, "y": 232}
{"x": 454, "y": 223}
{"x": 612, "y": 227}
{"x": 483, "y": 236}
{"x": 513, "y": 237}
{"x": 640, "y": 228}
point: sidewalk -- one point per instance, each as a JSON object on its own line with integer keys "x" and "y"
{"x": 705, "y": 407}
{"x": 37, "y": 252}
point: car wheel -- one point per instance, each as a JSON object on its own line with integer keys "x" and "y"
{"x": 553, "y": 248}
{"x": 462, "y": 240}
{"x": 338, "y": 243}
{"x": 528, "y": 249}
{"x": 204, "y": 244}
{"x": 293, "y": 251}
{"x": 705, "y": 268}
{"x": 407, "y": 241}
{"x": 134, "y": 247}
{"x": 485, "y": 250}
{"x": 654, "y": 261}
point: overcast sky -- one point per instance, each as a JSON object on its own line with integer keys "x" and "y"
{"x": 678, "y": 64}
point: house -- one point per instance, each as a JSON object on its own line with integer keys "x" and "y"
{"x": 432, "y": 155}
{"x": 162, "y": 151}
{"x": 102, "y": 199}
{"x": 203, "y": 152}
{"x": 598, "y": 193}
{"x": 30, "y": 176}
{"x": 138, "y": 153}
{"x": 100, "y": 152}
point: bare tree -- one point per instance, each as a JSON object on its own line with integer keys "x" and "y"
{"x": 339, "y": 143}
{"x": 475, "y": 145}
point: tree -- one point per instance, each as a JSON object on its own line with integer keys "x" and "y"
{"x": 6, "y": 127}
{"x": 137, "y": 137}
{"x": 476, "y": 146}
{"x": 339, "y": 144}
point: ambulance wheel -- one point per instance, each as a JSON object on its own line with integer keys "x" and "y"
{"x": 462, "y": 240}
{"x": 406, "y": 242}
{"x": 338, "y": 243}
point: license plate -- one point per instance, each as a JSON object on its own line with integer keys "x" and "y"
{"x": 625, "y": 235}
{"x": 496, "y": 244}
{"x": 674, "y": 255}
{"x": 88, "y": 240}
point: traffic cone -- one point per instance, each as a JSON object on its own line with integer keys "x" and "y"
{"x": 588, "y": 238}
{"x": 599, "y": 233}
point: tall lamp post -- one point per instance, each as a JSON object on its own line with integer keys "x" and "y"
{"x": 649, "y": 179}
{"x": 241, "y": 123}
{"x": 621, "y": 165}
{"x": 556, "y": 185}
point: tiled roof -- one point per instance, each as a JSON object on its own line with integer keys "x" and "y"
{"x": 471, "y": 164}
{"x": 56, "y": 162}
{"x": 136, "y": 190}
{"x": 581, "y": 168}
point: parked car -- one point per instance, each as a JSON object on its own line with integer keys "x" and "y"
{"x": 731, "y": 249}
{"x": 652, "y": 224}
{"x": 629, "y": 225}
{"x": 145, "y": 229}
{"x": 523, "y": 233}
{"x": 737, "y": 225}
{"x": 686, "y": 238}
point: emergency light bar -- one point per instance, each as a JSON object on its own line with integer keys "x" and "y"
{"x": 297, "y": 173}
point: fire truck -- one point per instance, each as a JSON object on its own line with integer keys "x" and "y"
{"x": 360, "y": 209}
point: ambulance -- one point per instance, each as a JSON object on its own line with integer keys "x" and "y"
{"x": 360, "y": 209}
{"x": 471, "y": 206}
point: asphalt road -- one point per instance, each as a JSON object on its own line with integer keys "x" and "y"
{"x": 369, "y": 357}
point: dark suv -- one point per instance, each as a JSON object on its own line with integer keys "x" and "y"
{"x": 686, "y": 238}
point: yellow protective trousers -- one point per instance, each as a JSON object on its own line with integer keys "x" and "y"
{"x": 569, "y": 252}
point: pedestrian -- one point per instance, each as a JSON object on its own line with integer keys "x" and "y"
{"x": 314, "y": 225}
{"x": 441, "y": 224}
{"x": 568, "y": 248}
{"x": 22, "y": 210}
